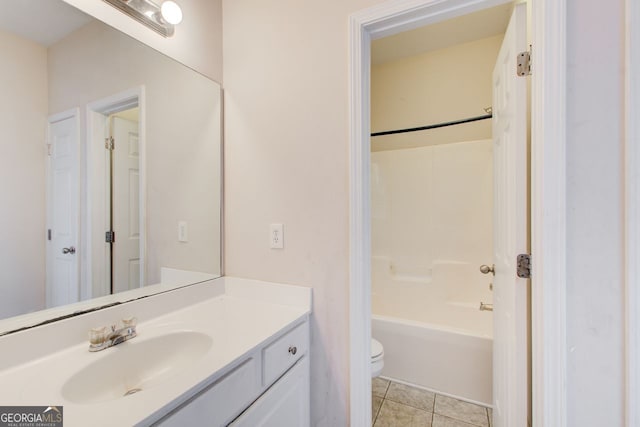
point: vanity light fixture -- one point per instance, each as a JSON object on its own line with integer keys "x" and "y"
{"x": 162, "y": 19}
{"x": 171, "y": 12}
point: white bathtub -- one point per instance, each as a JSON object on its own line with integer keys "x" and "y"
{"x": 433, "y": 333}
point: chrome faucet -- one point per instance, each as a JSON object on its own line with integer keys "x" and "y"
{"x": 101, "y": 338}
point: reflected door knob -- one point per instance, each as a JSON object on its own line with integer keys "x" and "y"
{"x": 485, "y": 269}
{"x": 69, "y": 250}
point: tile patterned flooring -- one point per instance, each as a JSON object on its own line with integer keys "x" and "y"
{"x": 399, "y": 405}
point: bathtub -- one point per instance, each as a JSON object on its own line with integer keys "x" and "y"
{"x": 433, "y": 333}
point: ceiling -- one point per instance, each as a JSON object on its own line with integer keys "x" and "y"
{"x": 463, "y": 29}
{"x": 42, "y": 21}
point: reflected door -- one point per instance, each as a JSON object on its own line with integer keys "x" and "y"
{"x": 62, "y": 217}
{"x": 126, "y": 262}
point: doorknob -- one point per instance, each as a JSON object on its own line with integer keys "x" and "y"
{"x": 485, "y": 269}
{"x": 69, "y": 250}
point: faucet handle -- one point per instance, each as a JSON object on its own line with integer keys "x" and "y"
{"x": 130, "y": 322}
{"x": 97, "y": 336}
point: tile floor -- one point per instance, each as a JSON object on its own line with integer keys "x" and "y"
{"x": 399, "y": 405}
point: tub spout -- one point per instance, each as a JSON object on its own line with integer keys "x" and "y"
{"x": 486, "y": 307}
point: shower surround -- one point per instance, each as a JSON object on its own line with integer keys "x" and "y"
{"x": 432, "y": 229}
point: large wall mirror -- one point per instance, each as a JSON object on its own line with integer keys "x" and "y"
{"x": 110, "y": 174}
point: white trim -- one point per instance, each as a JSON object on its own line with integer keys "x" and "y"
{"x": 548, "y": 213}
{"x": 359, "y": 224}
{"x": 96, "y": 213}
{"x": 73, "y": 112}
{"x": 632, "y": 212}
{"x": 548, "y": 193}
{"x": 96, "y": 131}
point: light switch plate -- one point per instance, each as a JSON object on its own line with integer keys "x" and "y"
{"x": 183, "y": 231}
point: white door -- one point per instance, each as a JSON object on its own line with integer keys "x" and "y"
{"x": 126, "y": 205}
{"x": 62, "y": 213}
{"x": 510, "y": 350}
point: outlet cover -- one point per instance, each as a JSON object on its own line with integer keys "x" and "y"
{"x": 276, "y": 236}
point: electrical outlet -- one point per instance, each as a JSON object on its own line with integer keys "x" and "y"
{"x": 276, "y": 236}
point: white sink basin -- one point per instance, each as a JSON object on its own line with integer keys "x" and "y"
{"x": 136, "y": 365}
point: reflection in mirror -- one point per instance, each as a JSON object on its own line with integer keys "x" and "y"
{"x": 110, "y": 174}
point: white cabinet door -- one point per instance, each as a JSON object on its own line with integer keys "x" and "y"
{"x": 285, "y": 404}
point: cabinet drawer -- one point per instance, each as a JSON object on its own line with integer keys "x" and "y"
{"x": 283, "y": 353}
{"x": 220, "y": 402}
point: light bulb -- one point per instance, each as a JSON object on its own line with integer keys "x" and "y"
{"x": 171, "y": 12}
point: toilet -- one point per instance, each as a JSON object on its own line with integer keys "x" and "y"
{"x": 377, "y": 357}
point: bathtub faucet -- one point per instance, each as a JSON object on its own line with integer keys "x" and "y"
{"x": 486, "y": 307}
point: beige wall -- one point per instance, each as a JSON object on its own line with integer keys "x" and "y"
{"x": 198, "y": 39}
{"x": 182, "y": 138}
{"x": 437, "y": 86}
{"x": 286, "y": 160}
{"x": 23, "y": 121}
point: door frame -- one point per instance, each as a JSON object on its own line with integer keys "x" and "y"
{"x": 632, "y": 211}
{"x": 73, "y": 113}
{"x": 548, "y": 193}
{"x": 96, "y": 166}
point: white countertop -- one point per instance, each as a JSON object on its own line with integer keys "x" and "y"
{"x": 237, "y": 314}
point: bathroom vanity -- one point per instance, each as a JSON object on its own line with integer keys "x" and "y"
{"x": 224, "y": 352}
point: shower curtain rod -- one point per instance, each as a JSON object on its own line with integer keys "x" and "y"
{"x": 438, "y": 125}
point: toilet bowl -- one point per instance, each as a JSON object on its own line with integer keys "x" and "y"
{"x": 377, "y": 357}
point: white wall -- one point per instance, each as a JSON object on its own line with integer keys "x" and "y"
{"x": 197, "y": 41}
{"x": 595, "y": 296}
{"x": 182, "y": 138}
{"x": 23, "y": 121}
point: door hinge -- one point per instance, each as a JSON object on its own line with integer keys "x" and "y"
{"x": 49, "y": 149}
{"x": 523, "y": 67}
{"x": 524, "y": 266}
{"x": 49, "y": 234}
{"x": 110, "y": 237}
{"x": 109, "y": 143}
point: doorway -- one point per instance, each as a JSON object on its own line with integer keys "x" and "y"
{"x": 432, "y": 203}
{"x": 548, "y": 161}
{"x": 116, "y": 193}
{"x": 437, "y": 222}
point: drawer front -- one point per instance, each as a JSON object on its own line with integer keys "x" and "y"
{"x": 284, "y": 352}
{"x": 284, "y": 404}
{"x": 220, "y": 402}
